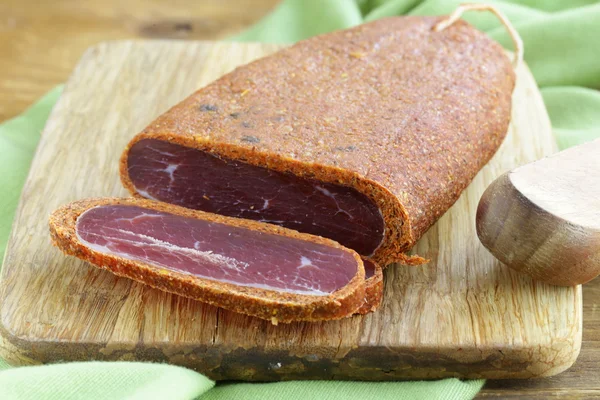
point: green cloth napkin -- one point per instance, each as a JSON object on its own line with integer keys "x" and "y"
{"x": 561, "y": 47}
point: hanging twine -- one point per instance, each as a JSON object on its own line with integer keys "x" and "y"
{"x": 455, "y": 16}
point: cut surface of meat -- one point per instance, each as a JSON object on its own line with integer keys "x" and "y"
{"x": 245, "y": 266}
{"x": 196, "y": 179}
{"x": 216, "y": 251}
{"x": 369, "y": 268}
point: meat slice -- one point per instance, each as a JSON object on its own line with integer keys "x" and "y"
{"x": 366, "y": 135}
{"x": 373, "y": 287}
{"x": 244, "y": 266}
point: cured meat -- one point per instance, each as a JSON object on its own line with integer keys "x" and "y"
{"x": 245, "y": 266}
{"x": 199, "y": 180}
{"x": 365, "y": 136}
{"x": 373, "y": 287}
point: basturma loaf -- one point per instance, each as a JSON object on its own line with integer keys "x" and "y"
{"x": 365, "y": 136}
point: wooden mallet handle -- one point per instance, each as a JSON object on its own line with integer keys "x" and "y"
{"x": 543, "y": 218}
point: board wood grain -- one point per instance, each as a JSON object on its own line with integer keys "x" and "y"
{"x": 464, "y": 314}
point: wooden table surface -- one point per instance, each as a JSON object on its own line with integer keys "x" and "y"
{"x": 40, "y": 42}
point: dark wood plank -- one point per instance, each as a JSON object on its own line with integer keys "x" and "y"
{"x": 40, "y": 42}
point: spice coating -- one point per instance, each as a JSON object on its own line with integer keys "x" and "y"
{"x": 373, "y": 288}
{"x": 405, "y": 115}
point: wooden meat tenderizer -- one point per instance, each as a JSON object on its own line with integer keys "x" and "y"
{"x": 543, "y": 218}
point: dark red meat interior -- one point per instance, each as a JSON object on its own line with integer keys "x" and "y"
{"x": 216, "y": 251}
{"x": 196, "y": 179}
{"x": 369, "y": 268}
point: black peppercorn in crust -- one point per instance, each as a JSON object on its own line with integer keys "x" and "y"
{"x": 403, "y": 114}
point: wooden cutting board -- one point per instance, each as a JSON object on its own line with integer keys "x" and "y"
{"x": 464, "y": 314}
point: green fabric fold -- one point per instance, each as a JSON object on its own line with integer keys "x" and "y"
{"x": 18, "y": 140}
{"x": 102, "y": 380}
{"x": 561, "y": 45}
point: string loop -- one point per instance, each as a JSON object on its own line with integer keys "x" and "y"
{"x": 455, "y": 16}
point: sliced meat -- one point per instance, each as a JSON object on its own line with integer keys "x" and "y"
{"x": 366, "y": 136}
{"x": 373, "y": 287}
{"x": 244, "y": 266}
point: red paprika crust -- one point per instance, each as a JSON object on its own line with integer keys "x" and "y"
{"x": 266, "y": 304}
{"x": 405, "y": 115}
